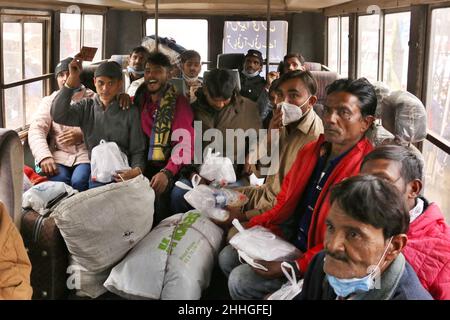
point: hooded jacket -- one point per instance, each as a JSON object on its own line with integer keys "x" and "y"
{"x": 428, "y": 251}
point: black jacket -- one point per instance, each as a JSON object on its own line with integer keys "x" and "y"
{"x": 252, "y": 87}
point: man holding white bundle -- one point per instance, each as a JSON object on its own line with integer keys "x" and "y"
{"x": 101, "y": 117}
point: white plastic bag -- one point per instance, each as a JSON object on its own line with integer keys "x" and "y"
{"x": 212, "y": 201}
{"x": 258, "y": 243}
{"x": 217, "y": 168}
{"x": 27, "y": 184}
{"x": 45, "y": 194}
{"x": 291, "y": 288}
{"x": 106, "y": 159}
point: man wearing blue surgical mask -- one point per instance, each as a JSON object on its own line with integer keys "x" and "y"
{"x": 365, "y": 233}
{"x": 252, "y": 84}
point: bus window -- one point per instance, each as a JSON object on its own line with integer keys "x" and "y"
{"x": 438, "y": 108}
{"x": 396, "y": 50}
{"x": 437, "y": 177}
{"x": 438, "y": 95}
{"x": 338, "y": 44}
{"x": 241, "y": 36}
{"x": 333, "y": 43}
{"x": 344, "y": 46}
{"x": 71, "y": 39}
{"x": 196, "y": 39}
{"x": 91, "y": 35}
{"x": 24, "y": 57}
{"x": 368, "y": 41}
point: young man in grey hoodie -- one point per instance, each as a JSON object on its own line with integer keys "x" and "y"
{"x": 101, "y": 117}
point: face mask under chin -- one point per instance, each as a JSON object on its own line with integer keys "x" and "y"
{"x": 130, "y": 69}
{"x": 250, "y": 75}
{"x": 189, "y": 79}
{"x": 346, "y": 287}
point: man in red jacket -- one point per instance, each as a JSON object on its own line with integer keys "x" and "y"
{"x": 428, "y": 247}
{"x": 302, "y": 204}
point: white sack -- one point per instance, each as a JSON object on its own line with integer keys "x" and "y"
{"x": 101, "y": 225}
{"x": 174, "y": 261}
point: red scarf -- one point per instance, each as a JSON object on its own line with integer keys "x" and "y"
{"x": 295, "y": 183}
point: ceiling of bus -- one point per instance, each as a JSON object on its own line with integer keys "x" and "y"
{"x": 210, "y": 6}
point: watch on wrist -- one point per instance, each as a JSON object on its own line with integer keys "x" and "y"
{"x": 168, "y": 173}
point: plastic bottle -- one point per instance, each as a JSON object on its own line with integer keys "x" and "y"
{"x": 227, "y": 197}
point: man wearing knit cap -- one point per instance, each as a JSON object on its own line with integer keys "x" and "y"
{"x": 252, "y": 84}
{"x": 101, "y": 117}
{"x": 57, "y": 149}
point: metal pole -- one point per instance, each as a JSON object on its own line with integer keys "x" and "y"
{"x": 156, "y": 25}
{"x": 267, "y": 39}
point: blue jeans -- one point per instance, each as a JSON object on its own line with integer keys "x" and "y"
{"x": 243, "y": 282}
{"x": 177, "y": 202}
{"x": 77, "y": 176}
{"x": 95, "y": 184}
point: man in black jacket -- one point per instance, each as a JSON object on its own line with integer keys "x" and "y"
{"x": 252, "y": 84}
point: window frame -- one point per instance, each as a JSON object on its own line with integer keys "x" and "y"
{"x": 339, "y": 48}
{"x": 206, "y": 61}
{"x": 380, "y": 45}
{"x": 83, "y": 13}
{"x": 432, "y": 137}
{"x": 22, "y": 17}
{"x": 381, "y": 38}
{"x": 261, "y": 19}
{"x": 387, "y": 12}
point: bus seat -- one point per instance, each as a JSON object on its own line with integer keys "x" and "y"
{"x": 27, "y": 154}
{"x": 11, "y": 173}
{"x": 121, "y": 59}
{"x": 404, "y": 115}
{"x": 178, "y": 84}
{"x": 313, "y": 66}
{"x": 399, "y": 114}
{"x": 323, "y": 79}
{"x": 230, "y": 61}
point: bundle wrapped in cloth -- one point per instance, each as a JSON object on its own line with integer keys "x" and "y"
{"x": 174, "y": 261}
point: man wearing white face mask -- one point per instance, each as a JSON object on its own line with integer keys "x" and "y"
{"x": 252, "y": 84}
{"x": 298, "y": 124}
{"x": 365, "y": 233}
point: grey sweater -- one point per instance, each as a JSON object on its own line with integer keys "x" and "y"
{"x": 113, "y": 124}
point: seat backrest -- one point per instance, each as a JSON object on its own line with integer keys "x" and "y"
{"x": 178, "y": 84}
{"x": 313, "y": 66}
{"x": 404, "y": 115}
{"x": 230, "y": 61}
{"x": 121, "y": 59}
{"x": 11, "y": 173}
{"x": 398, "y": 114}
{"x": 323, "y": 79}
